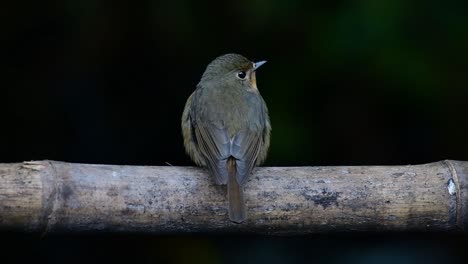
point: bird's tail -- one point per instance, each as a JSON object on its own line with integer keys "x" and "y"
{"x": 237, "y": 211}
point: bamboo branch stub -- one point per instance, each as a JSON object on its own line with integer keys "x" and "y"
{"x": 51, "y": 196}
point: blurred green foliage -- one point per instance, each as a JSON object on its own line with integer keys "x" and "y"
{"x": 349, "y": 82}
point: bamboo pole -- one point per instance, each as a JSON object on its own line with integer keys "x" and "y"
{"x": 51, "y": 196}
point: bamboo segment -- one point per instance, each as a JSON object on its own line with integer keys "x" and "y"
{"x": 51, "y": 196}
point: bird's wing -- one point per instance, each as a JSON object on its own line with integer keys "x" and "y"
{"x": 245, "y": 147}
{"x": 214, "y": 144}
{"x": 188, "y": 132}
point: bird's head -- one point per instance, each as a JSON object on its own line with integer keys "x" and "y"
{"x": 232, "y": 69}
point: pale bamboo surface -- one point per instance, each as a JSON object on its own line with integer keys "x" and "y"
{"x": 52, "y": 196}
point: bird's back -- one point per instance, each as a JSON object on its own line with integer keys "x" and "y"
{"x": 228, "y": 123}
{"x": 232, "y": 109}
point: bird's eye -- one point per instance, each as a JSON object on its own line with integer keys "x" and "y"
{"x": 241, "y": 75}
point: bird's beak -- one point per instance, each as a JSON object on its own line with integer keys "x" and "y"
{"x": 258, "y": 64}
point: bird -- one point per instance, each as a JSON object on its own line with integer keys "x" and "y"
{"x": 226, "y": 127}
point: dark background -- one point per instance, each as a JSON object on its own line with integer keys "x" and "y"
{"x": 347, "y": 82}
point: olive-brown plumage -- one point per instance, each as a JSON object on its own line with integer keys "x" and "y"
{"x": 226, "y": 127}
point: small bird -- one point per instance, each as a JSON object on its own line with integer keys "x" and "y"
{"x": 226, "y": 127}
